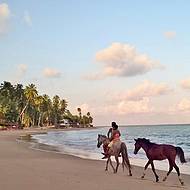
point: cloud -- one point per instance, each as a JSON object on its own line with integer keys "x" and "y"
{"x": 123, "y": 107}
{"x": 141, "y": 106}
{"x": 22, "y": 68}
{"x": 136, "y": 100}
{"x": 185, "y": 83}
{"x": 130, "y": 107}
{"x": 97, "y": 76}
{"x": 146, "y": 89}
{"x": 4, "y": 17}
{"x": 27, "y": 18}
{"x": 51, "y": 73}
{"x": 184, "y": 105}
{"x": 170, "y": 34}
{"x": 124, "y": 60}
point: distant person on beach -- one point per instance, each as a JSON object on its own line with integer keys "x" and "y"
{"x": 114, "y": 135}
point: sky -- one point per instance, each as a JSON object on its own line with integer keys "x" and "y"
{"x": 126, "y": 61}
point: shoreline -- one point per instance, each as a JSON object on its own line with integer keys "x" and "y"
{"x": 139, "y": 162}
{"x": 20, "y": 162}
{"x": 136, "y": 161}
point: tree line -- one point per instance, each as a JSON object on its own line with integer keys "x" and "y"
{"x": 25, "y": 107}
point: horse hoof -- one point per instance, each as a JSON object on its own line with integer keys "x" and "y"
{"x": 142, "y": 177}
{"x": 182, "y": 183}
{"x": 157, "y": 180}
{"x": 164, "y": 179}
{"x": 130, "y": 174}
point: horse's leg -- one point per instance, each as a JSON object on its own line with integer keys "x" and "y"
{"x": 117, "y": 161}
{"x": 106, "y": 169}
{"x": 127, "y": 165}
{"x": 153, "y": 169}
{"x": 178, "y": 173}
{"x": 146, "y": 166}
{"x": 170, "y": 169}
{"x": 123, "y": 164}
{"x": 109, "y": 160}
{"x": 125, "y": 158}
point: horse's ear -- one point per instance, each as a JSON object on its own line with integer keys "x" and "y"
{"x": 135, "y": 140}
{"x": 98, "y": 135}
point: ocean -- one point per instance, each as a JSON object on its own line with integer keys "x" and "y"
{"x": 82, "y": 143}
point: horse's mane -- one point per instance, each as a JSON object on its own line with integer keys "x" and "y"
{"x": 147, "y": 141}
{"x": 104, "y": 136}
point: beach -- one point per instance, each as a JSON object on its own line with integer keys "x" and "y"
{"x": 26, "y": 168}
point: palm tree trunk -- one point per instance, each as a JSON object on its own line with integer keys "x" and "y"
{"x": 39, "y": 120}
{"x": 23, "y": 109}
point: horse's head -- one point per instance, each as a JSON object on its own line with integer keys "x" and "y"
{"x": 140, "y": 142}
{"x": 101, "y": 139}
{"x": 137, "y": 146}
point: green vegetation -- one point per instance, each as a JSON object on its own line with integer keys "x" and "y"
{"x": 25, "y": 107}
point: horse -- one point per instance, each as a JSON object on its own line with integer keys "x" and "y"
{"x": 160, "y": 152}
{"x": 116, "y": 149}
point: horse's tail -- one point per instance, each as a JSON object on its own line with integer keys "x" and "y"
{"x": 125, "y": 156}
{"x": 180, "y": 153}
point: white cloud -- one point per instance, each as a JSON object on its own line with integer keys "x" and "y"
{"x": 51, "y": 73}
{"x": 170, "y": 34}
{"x": 22, "y": 68}
{"x": 146, "y": 89}
{"x": 123, "y": 107}
{"x": 97, "y": 76}
{"x": 141, "y": 106}
{"x": 185, "y": 83}
{"x": 181, "y": 107}
{"x": 4, "y": 17}
{"x": 27, "y": 18}
{"x": 128, "y": 107}
{"x": 124, "y": 60}
{"x": 184, "y": 105}
{"x": 136, "y": 100}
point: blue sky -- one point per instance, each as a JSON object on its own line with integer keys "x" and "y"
{"x": 122, "y": 60}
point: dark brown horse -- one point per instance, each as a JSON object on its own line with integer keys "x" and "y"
{"x": 160, "y": 152}
{"x": 116, "y": 149}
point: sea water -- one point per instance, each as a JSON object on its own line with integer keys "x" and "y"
{"x": 83, "y": 143}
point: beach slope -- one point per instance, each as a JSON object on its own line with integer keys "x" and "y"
{"x": 24, "y": 168}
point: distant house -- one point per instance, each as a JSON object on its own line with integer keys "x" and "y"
{"x": 8, "y": 125}
{"x": 63, "y": 123}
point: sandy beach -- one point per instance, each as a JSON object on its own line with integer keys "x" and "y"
{"x": 25, "y": 168}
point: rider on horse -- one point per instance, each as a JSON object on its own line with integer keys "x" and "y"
{"x": 114, "y": 136}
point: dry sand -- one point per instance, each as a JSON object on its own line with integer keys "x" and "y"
{"x": 22, "y": 168}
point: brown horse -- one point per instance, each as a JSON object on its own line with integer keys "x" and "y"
{"x": 116, "y": 149}
{"x": 160, "y": 152}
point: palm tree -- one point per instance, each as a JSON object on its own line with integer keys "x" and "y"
{"x": 47, "y": 107}
{"x": 90, "y": 119}
{"x": 8, "y": 102}
{"x": 56, "y": 101}
{"x": 20, "y": 99}
{"x": 80, "y": 115}
{"x": 29, "y": 108}
{"x": 39, "y": 103}
{"x": 63, "y": 106}
{"x": 30, "y": 93}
